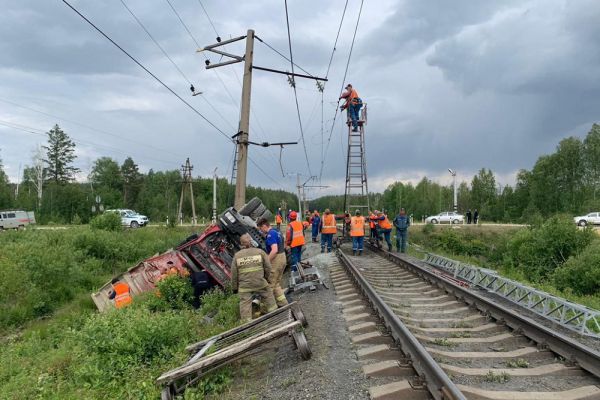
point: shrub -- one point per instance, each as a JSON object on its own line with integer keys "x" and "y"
{"x": 539, "y": 250}
{"x": 176, "y": 292}
{"x": 581, "y": 273}
{"x": 108, "y": 222}
{"x": 122, "y": 340}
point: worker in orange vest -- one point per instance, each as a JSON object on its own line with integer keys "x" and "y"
{"x": 328, "y": 229}
{"x": 373, "y": 225}
{"x": 353, "y": 104}
{"x": 121, "y": 293}
{"x": 294, "y": 239}
{"x": 385, "y": 227}
{"x": 357, "y": 231}
{"x": 278, "y": 220}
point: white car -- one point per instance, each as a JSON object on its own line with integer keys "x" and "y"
{"x": 590, "y": 219}
{"x": 447, "y": 217}
{"x": 131, "y": 218}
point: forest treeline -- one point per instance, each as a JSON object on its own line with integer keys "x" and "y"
{"x": 566, "y": 181}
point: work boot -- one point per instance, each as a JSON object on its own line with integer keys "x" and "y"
{"x": 353, "y": 252}
{"x": 360, "y": 252}
{"x": 354, "y": 129}
{"x": 323, "y": 250}
{"x": 389, "y": 248}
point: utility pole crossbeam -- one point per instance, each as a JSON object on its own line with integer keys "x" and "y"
{"x": 186, "y": 173}
{"x": 356, "y": 195}
{"x": 241, "y": 165}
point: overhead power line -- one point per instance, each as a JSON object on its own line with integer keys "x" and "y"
{"x": 159, "y": 81}
{"x": 341, "y": 90}
{"x": 145, "y": 69}
{"x": 155, "y": 41}
{"x": 41, "y": 132}
{"x": 102, "y": 131}
{"x": 287, "y": 20}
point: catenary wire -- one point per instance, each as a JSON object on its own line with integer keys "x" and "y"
{"x": 264, "y": 135}
{"x": 343, "y": 81}
{"x": 40, "y": 132}
{"x": 287, "y": 20}
{"x": 160, "y": 81}
{"x": 104, "y": 132}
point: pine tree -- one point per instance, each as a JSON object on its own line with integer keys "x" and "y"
{"x": 132, "y": 181}
{"x": 60, "y": 153}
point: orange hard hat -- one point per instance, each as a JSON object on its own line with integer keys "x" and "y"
{"x": 293, "y": 215}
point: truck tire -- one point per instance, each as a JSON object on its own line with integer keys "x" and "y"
{"x": 583, "y": 222}
{"x": 268, "y": 215}
{"x": 134, "y": 224}
{"x": 258, "y": 211}
{"x": 250, "y": 206}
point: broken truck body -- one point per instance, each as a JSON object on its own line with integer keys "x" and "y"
{"x": 211, "y": 251}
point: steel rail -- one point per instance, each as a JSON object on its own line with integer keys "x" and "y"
{"x": 436, "y": 381}
{"x": 570, "y": 349}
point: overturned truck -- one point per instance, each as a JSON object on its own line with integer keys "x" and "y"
{"x": 208, "y": 254}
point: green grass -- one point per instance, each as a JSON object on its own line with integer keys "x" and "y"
{"x": 55, "y": 345}
{"x": 486, "y": 248}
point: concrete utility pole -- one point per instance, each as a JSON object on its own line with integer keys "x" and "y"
{"x": 244, "y": 127}
{"x": 214, "y": 216}
{"x": 299, "y": 194}
{"x": 186, "y": 171}
{"x": 453, "y": 173}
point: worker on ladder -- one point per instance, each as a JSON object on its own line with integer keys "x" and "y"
{"x": 353, "y": 104}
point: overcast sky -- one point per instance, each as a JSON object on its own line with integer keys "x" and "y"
{"x": 462, "y": 84}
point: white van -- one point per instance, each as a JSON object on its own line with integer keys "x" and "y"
{"x": 16, "y": 219}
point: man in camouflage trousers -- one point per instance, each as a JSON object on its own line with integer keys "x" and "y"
{"x": 250, "y": 271}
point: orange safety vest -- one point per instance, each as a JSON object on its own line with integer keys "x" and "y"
{"x": 352, "y": 98}
{"x": 122, "y": 295}
{"x": 329, "y": 225}
{"x": 278, "y": 219}
{"x": 371, "y": 222}
{"x": 385, "y": 223}
{"x": 297, "y": 234}
{"x": 357, "y": 226}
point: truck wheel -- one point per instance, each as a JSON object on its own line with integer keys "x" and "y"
{"x": 455, "y": 221}
{"x": 250, "y": 206}
{"x": 582, "y": 223}
{"x": 268, "y": 215}
{"x": 434, "y": 221}
{"x": 258, "y": 211}
{"x": 134, "y": 224}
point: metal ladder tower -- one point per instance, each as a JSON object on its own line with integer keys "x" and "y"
{"x": 356, "y": 195}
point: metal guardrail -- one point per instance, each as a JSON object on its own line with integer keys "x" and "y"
{"x": 437, "y": 382}
{"x": 575, "y": 317}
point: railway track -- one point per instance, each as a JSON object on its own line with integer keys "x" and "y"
{"x": 420, "y": 334}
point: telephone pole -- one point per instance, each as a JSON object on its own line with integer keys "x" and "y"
{"x": 186, "y": 172}
{"x": 214, "y": 216}
{"x": 244, "y": 126}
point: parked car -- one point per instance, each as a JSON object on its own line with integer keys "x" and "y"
{"x": 446, "y": 217}
{"x": 16, "y": 219}
{"x": 592, "y": 218}
{"x": 131, "y": 218}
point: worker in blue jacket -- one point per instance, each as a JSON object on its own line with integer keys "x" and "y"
{"x": 401, "y": 222}
{"x": 316, "y": 223}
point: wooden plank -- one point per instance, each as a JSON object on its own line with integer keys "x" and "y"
{"x": 233, "y": 351}
{"x": 195, "y": 346}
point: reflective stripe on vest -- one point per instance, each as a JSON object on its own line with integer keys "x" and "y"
{"x": 122, "y": 296}
{"x": 357, "y": 227}
{"x": 385, "y": 223}
{"x": 250, "y": 269}
{"x": 329, "y": 224}
{"x": 297, "y": 234}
